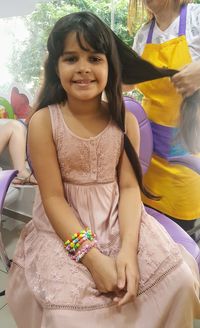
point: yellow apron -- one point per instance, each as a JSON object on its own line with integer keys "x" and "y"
{"x": 177, "y": 184}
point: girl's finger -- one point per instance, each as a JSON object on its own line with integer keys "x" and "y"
{"x": 121, "y": 275}
{"x": 128, "y": 297}
{"x": 132, "y": 287}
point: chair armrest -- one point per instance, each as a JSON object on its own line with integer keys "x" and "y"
{"x": 176, "y": 233}
{"x": 6, "y": 178}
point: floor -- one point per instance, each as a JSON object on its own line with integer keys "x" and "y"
{"x": 11, "y": 232}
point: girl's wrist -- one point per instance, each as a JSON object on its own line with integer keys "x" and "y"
{"x": 90, "y": 257}
{"x": 128, "y": 246}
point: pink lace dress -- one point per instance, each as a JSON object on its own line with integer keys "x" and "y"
{"x": 47, "y": 289}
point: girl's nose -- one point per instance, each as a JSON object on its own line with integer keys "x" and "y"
{"x": 83, "y": 67}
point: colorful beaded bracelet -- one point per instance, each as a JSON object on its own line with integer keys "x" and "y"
{"x": 73, "y": 244}
{"x": 83, "y": 251}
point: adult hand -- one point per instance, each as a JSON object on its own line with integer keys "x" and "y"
{"x": 103, "y": 271}
{"x": 187, "y": 81}
{"x": 127, "y": 276}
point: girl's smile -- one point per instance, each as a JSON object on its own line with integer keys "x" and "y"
{"x": 83, "y": 83}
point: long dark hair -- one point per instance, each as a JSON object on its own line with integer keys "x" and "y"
{"x": 141, "y": 70}
{"x": 124, "y": 66}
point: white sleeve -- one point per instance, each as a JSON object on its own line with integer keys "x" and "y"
{"x": 194, "y": 18}
{"x": 193, "y": 30}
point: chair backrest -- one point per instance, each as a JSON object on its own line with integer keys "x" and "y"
{"x": 146, "y": 149}
{"x": 146, "y": 137}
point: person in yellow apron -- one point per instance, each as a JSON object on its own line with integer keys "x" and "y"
{"x": 174, "y": 174}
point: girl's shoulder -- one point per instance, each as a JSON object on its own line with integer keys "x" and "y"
{"x": 40, "y": 118}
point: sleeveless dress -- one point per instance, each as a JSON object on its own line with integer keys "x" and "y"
{"x": 47, "y": 289}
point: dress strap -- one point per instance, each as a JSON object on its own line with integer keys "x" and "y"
{"x": 55, "y": 113}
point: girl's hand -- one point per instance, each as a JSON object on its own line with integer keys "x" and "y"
{"x": 187, "y": 81}
{"x": 103, "y": 270}
{"x": 127, "y": 276}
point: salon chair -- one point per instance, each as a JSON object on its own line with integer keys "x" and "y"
{"x": 146, "y": 149}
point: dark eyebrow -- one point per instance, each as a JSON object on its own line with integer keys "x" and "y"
{"x": 74, "y": 52}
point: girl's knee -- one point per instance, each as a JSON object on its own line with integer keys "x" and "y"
{"x": 189, "y": 282}
{"x": 17, "y": 126}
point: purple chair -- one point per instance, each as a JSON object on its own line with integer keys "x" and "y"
{"x": 146, "y": 148}
{"x": 5, "y": 179}
{"x": 177, "y": 233}
{"x": 146, "y": 137}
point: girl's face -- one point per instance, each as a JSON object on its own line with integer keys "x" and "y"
{"x": 83, "y": 73}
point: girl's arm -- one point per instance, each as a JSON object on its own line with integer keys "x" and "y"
{"x": 129, "y": 218}
{"x": 47, "y": 172}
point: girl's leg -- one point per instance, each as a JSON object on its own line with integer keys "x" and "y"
{"x": 24, "y": 307}
{"x": 17, "y": 145}
{"x": 13, "y": 135}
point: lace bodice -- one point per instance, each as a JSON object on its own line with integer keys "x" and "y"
{"x": 84, "y": 161}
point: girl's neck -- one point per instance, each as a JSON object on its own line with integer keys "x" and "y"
{"x": 84, "y": 108}
{"x": 166, "y": 16}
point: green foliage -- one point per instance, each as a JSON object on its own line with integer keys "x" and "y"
{"x": 27, "y": 59}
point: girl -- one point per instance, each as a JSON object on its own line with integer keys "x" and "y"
{"x": 118, "y": 265}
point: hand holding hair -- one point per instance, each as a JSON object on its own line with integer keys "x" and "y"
{"x": 134, "y": 70}
{"x": 187, "y": 81}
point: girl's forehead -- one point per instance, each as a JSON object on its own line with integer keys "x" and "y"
{"x": 76, "y": 40}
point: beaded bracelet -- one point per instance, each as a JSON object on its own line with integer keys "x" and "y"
{"x": 83, "y": 251}
{"x": 73, "y": 244}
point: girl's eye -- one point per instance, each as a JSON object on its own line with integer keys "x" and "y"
{"x": 95, "y": 59}
{"x": 70, "y": 59}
